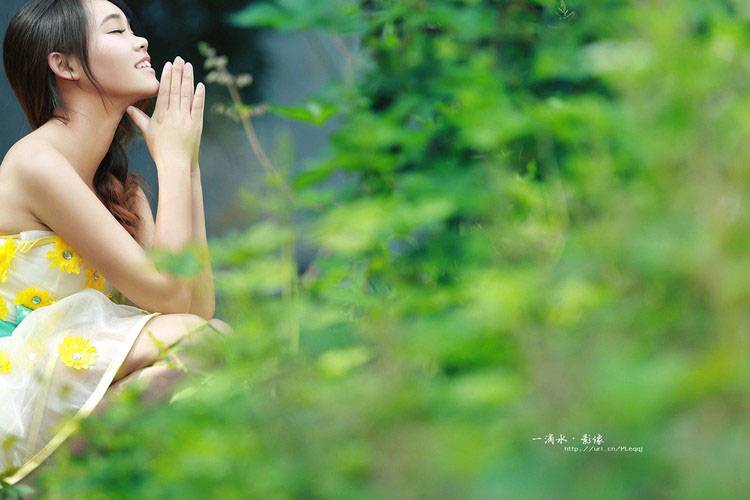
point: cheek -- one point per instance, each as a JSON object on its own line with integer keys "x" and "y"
{"x": 110, "y": 66}
{"x": 112, "y": 63}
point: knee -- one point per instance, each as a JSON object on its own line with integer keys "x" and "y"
{"x": 222, "y": 326}
{"x": 195, "y": 323}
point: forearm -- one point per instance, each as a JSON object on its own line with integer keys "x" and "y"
{"x": 204, "y": 296}
{"x": 173, "y": 223}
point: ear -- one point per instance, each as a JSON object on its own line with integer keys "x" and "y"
{"x": 66, "y": 67}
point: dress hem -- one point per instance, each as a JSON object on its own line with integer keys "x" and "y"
{"x": 73, "y": 422}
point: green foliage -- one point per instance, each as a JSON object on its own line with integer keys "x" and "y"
{"x": 183, "y": 264}
{"x": 312, "y": 112}
{"x": 537, "y": 228}
{"x": 339, "y": 16}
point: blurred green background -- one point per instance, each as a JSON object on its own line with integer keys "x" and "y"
{"x": 529, "y": 222}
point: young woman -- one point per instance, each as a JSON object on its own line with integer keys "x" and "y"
{"x": 75, "y": 224}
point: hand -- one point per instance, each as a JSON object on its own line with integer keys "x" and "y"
{"x": 174, "y": 131}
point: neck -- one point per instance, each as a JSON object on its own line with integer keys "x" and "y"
{"x": 86, "y": 138}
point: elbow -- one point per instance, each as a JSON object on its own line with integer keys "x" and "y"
{"x": 209, "y": 312}
{"x": 204, "y": 305}
{"x": 206, "y": 316}
{"x": 206, "y": 312}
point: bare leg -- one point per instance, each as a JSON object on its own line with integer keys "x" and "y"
{"x": 163, "y": 332}
{"x": 157, "y": 380}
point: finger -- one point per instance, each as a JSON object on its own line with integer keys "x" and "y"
{"x": 199, "y": 103}
{"x": 162, "y": 100}
{"x": 192, "y": 86}
{"x": 174, "y": 96}
{"x": 187, "y": 88}
{"x": 140, "y": 119}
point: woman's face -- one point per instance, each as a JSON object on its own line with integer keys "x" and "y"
{"x": 114, "y": 52}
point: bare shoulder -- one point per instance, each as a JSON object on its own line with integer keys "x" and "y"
{"x": 64, "y": 202}
{"x": 34, "y": 156}
{"x": 17, "y": 214}
{"x": 20, "y": 156}
{"x": 52, "y": 185}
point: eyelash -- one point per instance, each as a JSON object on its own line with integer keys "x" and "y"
{"x": 118, "y": 31}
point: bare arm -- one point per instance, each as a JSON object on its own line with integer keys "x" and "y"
{"x": 174, "y": 228}
{"x": 203, "y": 301}
{"x": 66, "y": 205}
{"x": 172, "y": 135}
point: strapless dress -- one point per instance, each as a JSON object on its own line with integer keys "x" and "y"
{"x": 64, "y": 333}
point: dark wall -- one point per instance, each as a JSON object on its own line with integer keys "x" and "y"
{"x": 12, "y": 120}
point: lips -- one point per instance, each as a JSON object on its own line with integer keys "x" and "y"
{"x": 145, "y": 62}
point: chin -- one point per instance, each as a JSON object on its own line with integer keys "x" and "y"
{"x": 149, "y": 92}
{"x": 142, "y": 101}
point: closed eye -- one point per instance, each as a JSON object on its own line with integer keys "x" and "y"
{"x": 120, "y": 31}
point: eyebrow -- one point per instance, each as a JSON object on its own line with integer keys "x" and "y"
{"x": 111, "y": 16}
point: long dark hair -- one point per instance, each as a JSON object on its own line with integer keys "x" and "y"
{"x": 45, "y": 26}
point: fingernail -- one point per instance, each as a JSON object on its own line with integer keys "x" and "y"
{"x": 188, "y": 66}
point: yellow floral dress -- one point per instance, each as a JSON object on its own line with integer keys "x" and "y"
{"x": 64, "y": 333}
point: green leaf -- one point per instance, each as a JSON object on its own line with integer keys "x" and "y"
{"x": 184, "y": 264}
{"x": 313, "y": 112}
{"x": 339, "y": 362}
{"x": 292, "y": 15}
{"x": 261, "y": 15}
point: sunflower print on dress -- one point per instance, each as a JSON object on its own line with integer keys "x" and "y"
{"x": 34, "y": 298}
{"x": 77, "y": 352}
{"x": 4, "y": 310}
{"x": 7, "y": 252}
{"x": 95, "y": 280}
{"x": 5, "y": 365}
{"x": 64, "y": 257}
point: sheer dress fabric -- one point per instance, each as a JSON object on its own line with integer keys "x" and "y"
{"x": 64, "y": 333}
